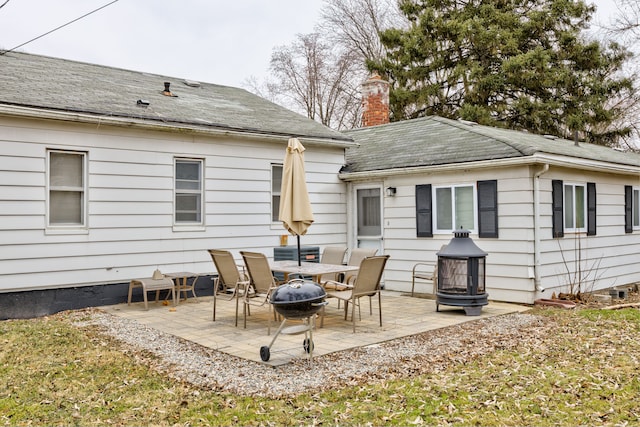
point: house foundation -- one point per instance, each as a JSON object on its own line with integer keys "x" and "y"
{"x": 37, "y": 303}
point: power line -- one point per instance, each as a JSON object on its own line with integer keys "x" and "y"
{"x": 57, "y": 28}
{"x": 3, "y": 4}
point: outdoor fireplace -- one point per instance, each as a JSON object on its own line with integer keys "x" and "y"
{"x": 461, "y": 274}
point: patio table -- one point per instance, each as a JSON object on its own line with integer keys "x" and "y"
{"x": 313, "y": 269}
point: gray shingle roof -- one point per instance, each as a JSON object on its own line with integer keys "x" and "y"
{"x": 69, "y": 86}
{"x": 432, "y": 141}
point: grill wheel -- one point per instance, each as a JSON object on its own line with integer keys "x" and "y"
{"x": 307, "y": 344}
{"x": 265, "y": 353}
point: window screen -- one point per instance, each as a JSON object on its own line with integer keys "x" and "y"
{"x": 66, "y": 188}
{"x": 188, "y": 191}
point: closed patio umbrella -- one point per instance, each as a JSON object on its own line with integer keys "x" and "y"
{"x": 295, "y": 207}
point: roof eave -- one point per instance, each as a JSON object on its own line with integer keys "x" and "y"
{"x": 535, "y": 159}
{"x": 165, "y": 126}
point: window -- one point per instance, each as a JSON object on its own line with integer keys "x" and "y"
{"x": 276, "y": 186}
{"x": 632, "y": 208}
{"x": 574, "y": 208}
{"x": 456, "y": 207}
{"x": 636, "y": 208}
{"x": 188, "y": 191}
{"x": 67, "y": 191}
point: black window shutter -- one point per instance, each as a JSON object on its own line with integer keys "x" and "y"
{"x": 591, "y": 208}
{"x": 628, "y": 202}
{"x": 488, "y": 208}
{"x": 423, "y": 211}
{"x": 556, "y": 205}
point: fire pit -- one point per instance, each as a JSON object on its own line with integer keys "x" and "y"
{"x": 461, "y": 275}
{"x": 296, "y": 299}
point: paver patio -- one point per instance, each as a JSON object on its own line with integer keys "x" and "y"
{"x": 402, "y": 315}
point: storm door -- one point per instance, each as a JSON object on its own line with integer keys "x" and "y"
{"x": 369, "y": 217}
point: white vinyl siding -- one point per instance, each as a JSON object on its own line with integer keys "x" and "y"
{"x": 511, "y": 260}
{"x": 130, "y": 203}
{"x": 188, "y": 191}
{"x": 67, "y": 191}
{"x": 509, "y": 254}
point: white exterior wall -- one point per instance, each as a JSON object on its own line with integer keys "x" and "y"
{"x": 612, "y": 255}
{"x": 608, "y": 259}
{"x": 510, "y": 257}
{"x": 130, "y": 203}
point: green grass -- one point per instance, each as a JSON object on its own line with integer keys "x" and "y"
{"x": 627, "y": 316}
{"x": 584, "y": 372}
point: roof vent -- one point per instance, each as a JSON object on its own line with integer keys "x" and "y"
{"x": 167, "y": 90}
{"x": 551, "y": 137}
{"x": 142, "y": 103}
{"x": 192, "y": 83}
{"x": 467, "y": 122}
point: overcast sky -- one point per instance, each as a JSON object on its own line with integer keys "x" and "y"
{"x": 214, "y": 41}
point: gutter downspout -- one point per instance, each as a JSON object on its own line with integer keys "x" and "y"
{"x": 536, "y": 227}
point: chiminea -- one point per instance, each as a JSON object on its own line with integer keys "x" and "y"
{"x": 461, "y": 275}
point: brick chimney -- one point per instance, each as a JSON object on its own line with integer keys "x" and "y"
{"x": 375, "y": 101}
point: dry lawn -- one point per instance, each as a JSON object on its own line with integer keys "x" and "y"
{"x": 574, "y": 367}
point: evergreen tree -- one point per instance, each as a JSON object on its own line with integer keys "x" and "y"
{"x": 520, "y": 64}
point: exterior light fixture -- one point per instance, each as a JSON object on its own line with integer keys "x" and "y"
{"x": 391, "y": 191}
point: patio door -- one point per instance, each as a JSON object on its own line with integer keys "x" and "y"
{"x": 369, "y": 218}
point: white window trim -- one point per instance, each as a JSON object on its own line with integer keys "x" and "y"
{"x": 82, "y": 228}
{"x": 584, "y": 207}
{"x": 195, "y": 225}
{"x": 434, "y": 198}
{"x": 273, "y": 193}
{"x": 354, "y": 239}
{"x": 380, "y": 213}
{"x": 635, "y": 201}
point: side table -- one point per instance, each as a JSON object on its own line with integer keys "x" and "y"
{"x": 181, "y": 285}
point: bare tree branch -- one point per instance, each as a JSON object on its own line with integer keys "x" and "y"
{"x": 626, "y": 21}
{"x": 317, "y": 79}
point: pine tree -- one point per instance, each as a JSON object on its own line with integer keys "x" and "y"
{"x": 520, "y": 64}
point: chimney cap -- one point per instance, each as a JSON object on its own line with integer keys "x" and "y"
{"x": 375, "y": 76}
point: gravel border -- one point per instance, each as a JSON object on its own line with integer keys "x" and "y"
{"x": 423, "y": 353}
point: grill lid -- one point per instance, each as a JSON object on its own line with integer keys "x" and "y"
{"x": 297, "y": 290}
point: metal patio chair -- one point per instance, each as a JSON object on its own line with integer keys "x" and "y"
{"x": 366, "y": 284}
{"x": 261, "y": 284}
{"x": 355, "y": 258}
{"x": 230, "y": 280}
{"x": 332, "y": 255}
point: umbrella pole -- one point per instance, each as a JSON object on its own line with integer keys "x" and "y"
{"x": 298, "y": 239}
